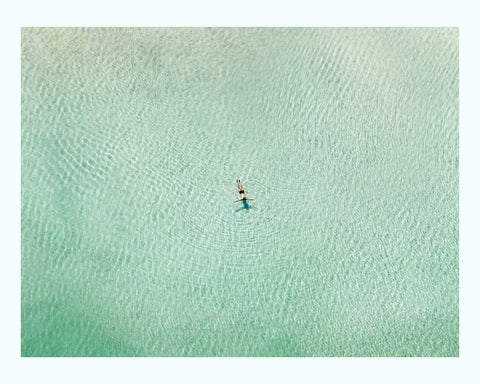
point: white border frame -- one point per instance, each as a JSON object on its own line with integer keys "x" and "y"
{"x": 438, "y": 13}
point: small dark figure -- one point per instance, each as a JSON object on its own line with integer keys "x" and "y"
{"x": 242, "y": 192}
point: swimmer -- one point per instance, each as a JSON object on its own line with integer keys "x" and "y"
{"x": 242, "y": 193}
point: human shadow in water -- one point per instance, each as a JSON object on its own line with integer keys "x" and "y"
{"x": 245, "y": 206}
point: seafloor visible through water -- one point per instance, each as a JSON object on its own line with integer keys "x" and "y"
{"x": 132, "y": 140}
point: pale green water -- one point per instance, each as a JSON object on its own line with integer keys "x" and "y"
{"x": 131, "y": 143}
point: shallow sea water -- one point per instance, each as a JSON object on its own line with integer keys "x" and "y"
{"x": 132, "y": 140}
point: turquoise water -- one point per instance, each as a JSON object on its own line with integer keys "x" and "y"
{"x": 132, "y": 140}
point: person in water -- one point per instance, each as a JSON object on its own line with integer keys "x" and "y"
{"x": 242, "y": 192}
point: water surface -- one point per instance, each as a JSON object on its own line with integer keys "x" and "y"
{"x": 132, "y": 140}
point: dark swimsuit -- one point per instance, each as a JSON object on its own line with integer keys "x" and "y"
{"x": 242, "y": 191}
